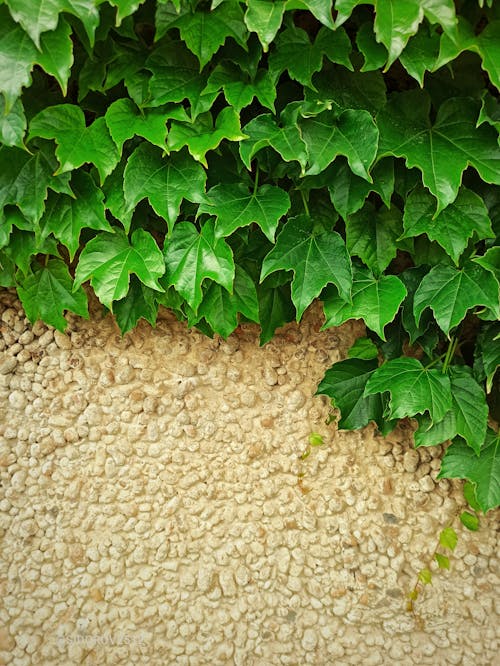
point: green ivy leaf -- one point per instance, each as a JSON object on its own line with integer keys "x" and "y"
{"x": 76, "y": 143}
{"x": 139, "y": 303}
{"x": 316, "y": 259}
{"x": 125, "y": 8}
{"x": 372, "y": 235}
{"x": 374, "y": 53}
{"x": 12, "y": 124}
{"x": 321, "y": 9}
{"x": 470, "y": 521}
{"x": 275, "y": 308}
{"x": 65, "y": 216}
{"x": 454, "y": 226}
{"x": 450, "y": 292}
{"x": 288, "y": 44}
{"x": 125, "y": 120}
{"x": 395, "y": 22}
{"x": 239, "y": 89}
{"x": 24, "y": 245}
{"x": 36, "y": 16}
{"x": 235, "y": 206}
{"x": 56, "y": 56}
{"x": 220, "y": 308}
{"x": 442, "y": 561}
{"x": 353, "y": 134}
{"x": 468, "y": 416}
{"x": 425, "y": 576}
{"x": 413, "y": 388}
{"x": 490, "y": 111}
{"x": 263, "y": 131}
{"x": 448, "y": 538}
{"x": 115, "y": 197}
{"x": 17, "y": 56}
{"x": 192, "y": 256}
{"x": 469, "y": 490}
{"x": 376, "y": 301}
{"x": 108, "y": 260}
{"x": 48, "y": 292}
{"x": 441, "y": 151}
{"x": 490, "y": 260}
{"x": 487, "y": 351}
{"x": 165, "y": 181}
{"x": 202, "y": 136}
{"x": 421, "y": 54}
{"x": 345, "y": 383}
{"x": 363, "y": 348}
{"x": 265, "y": 19}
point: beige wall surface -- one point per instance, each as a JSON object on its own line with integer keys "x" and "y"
{"x": 155, "y": 508}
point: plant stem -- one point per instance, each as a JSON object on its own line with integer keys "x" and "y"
{"x": 450, "y": 352}
{"x": 256, "y": 181}
{"x": 304, "y": 201}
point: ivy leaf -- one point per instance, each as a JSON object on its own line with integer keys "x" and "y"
{"x": 76, "y": 143}
{"x": 413, "y": 388}
{"x": 454, "y": 225}
{"x": 192, "y": 256}
{"x": 125, "y": 8}
{"x": 66, "y": 216}
{"x": 288, "y": 44}
{"x": 264, "y": 18}
{"x": 376, "y": 301}
{"x": 176, "y": 75}
{"x": 275, "y": 308}
{"x": 490, "y": 260}
{"x": 263, "y": 131}
{"x": 321, "y": 9}
{"x": 24, "y": 245}
{"x": 467, "y": 417}
{"x": 115, "y": 197}
{"x": 451, "y": 292}
{"x": 109, "y": 259}
{"x": 239, "y": 90}
{"x": 201, "y": 136}
{"x": 220, "y": 308}
{"x": 363, "y": 348}
{"x": 17, "y": 56}
{"x": 490, "y": 112}
{"x": 348, "y": 192}
{"x": 235, "y": 206}
{"x": 125, "y": 120}
{"x": 36, "y": 16}
{"x": 345, "y": 383}
{"x": 469, "y": 520}
{"x": 353, "y": 134}
{"x": 460, "y": 462}
{"x": 395, "y": 22}
{"x": 441, "y": 151}
{"x": 374, "y": 53}
{"x": 316, "y": 259}
{"x": 165, "y": 181}
{"x": 48, "y": 291}
{"x": 448, "y": 538}
{"x": 12, "y": 124}
{"x": 56, "y": 56}
{"x": 25, "y": 179}
{"x": 442, "y": 561}
{"x": 139, "y": 303}
{"x": 421, "y": 54}
{"x": 371, "y": 235}
{"x": 487, "y": 352}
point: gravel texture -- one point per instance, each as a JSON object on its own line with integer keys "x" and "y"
{"x": 155, "y": 509}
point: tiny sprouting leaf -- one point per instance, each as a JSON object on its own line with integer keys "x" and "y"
{"x": 469, "y": 490}
{"x": 442, "y": 561}
{"x": 109, "y": 259}
{"x": 164, "y": 180}
{"x": 192, "y": 256}
{"x": 376, "y": 301}
{"x": 425, "y": 576}
{"x": 448, "y": 538}
{"x": 48, "y": 291}
{"x": 315, "y": 439}
{"x": 316, "y": 259}
{"x": 469, "y": 520}
{"x": 414, "y": 389}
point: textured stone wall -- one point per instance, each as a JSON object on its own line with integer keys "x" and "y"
{"x": 155, "y": 509}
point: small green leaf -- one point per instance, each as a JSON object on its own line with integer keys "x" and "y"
{"x": 448, "y": 538}
{"x": 139, "y": 303}
{"x": 191, "y": 257}
{"x": 12, "y": 124}
{"x": 315, "y": 260}
{"x": 470, "y": 521}
{"x": 275, "y": 308}
{"x": 442, "y": 560}
{"x": 48, "y": 291}
{"x": 348, "y": 192}
{"x": 263, "y": 131}
{"x": 56, "y": 56}
{"x": 413, "y": 388}
{"x": 488, "y": 351}
{"x": 17, "y": 57}
{"x": 108, "y": 260}
{"x": 315, "y": 439}
{"x": 425, "y": 576}
{"x": 374, "y": 53}
{"x": 287, "y": 45}
{"x": 376, "y": 301}
{"x": 469, "y": 490}
{"x": 165, "y": 181}
{"x": 363, "y": 348}
{"x": 264, "y": 18}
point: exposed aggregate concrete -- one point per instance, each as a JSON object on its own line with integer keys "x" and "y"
{"x": 154, "y": 508}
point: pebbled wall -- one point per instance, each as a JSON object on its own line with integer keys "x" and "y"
{"x": 154, "y": 509}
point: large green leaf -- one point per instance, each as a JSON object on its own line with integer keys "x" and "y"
{"x": 413, "y": 388}
{"x": 220, "y": 308}
{"x": 76, "y": 143}
{"x": 460, "y": 462}
{"x": 352, "y": 134}
{"x": 372, "y": 235}
{"x": 264, "y": 18}
{"x": 316, "y": 258}
{"x": 36, "y": 16}
{"x": 65, "y": 216}
{"x": 235, "y": 206}
{"x": 139, "y": 303}
{"x": 454, "y": 226}
{"x": 17, "y": 57}
{"x": 467, "y": 417}
{"x": 345, "y": 383}
{"x": 48, "y": 291}
{"x": 109, "y": 259}
{"x": 12, "y": 124}
{"x": 192, "y": 256}
{"x": 263, "y": 131}
{"x": 165, "y": 181}
{"x": 441, "y": 151}
{"x": 56, "y": 56}
{"x": 376, "y": 301}
{"x": 25, "y": 179}
{"x": 201, "y": 135}
{"x": 125, "y": 120}
{"x": 450, "y": 292}
{"x": 289, "y": 43}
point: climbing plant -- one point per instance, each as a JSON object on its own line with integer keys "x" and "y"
{"x": 233, "y": 161}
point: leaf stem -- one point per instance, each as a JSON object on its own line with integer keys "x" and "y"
{"x": 304, "y": 201}
{"x": 256, "y": 181}
{"x": 450, "y": 352}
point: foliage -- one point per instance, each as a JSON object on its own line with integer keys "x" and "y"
{"x": 236, "y": 160}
